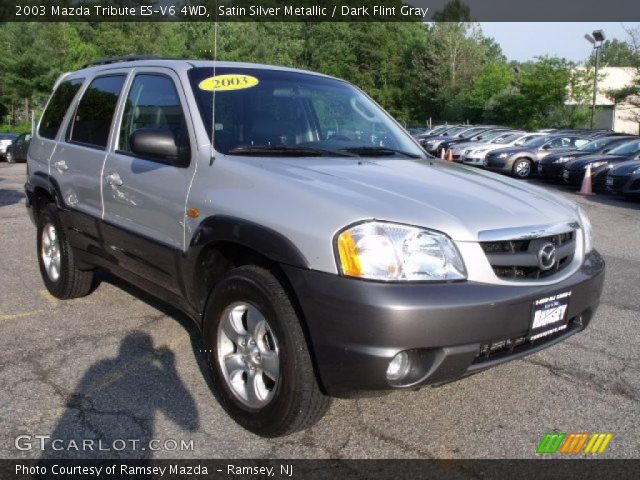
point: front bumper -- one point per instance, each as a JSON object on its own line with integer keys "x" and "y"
{"x": 628, "y": 185}
{"x": 475, "y": 161}
{"x": 496, "y": 164}
{"x": 356, "y": 327}
{"x": 573, "y": 177}
{"x": 551, "y": 171}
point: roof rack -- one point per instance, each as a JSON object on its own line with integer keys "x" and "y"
{"x": 126, "y": 58}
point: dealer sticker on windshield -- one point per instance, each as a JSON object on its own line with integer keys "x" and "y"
{"x": 231, "y": 81}
{"x": 549, "y": 315}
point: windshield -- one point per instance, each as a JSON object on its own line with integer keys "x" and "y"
{"x": 486, "y": 137}
{"x": 538, "y": 141}
{"x": 626, "y": 148}
{"x": 277, "y": 112}
{"x": 453, "y": 131}
{"x": 599, "y": 144}
{"x": 507, "y": 138}
{"x": 472, "y": 132}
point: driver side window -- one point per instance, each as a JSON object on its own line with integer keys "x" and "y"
{"x": 152, "y": 103}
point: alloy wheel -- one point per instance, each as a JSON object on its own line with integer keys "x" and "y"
{"x": 50, "y": 252}
{"x": 248, "y": 354}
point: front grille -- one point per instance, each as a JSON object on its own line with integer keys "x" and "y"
{"x": 519, "y": 259}
{"x": 513, "y": 346}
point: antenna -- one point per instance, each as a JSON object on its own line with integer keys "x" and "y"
{"x": 213, "y": 102}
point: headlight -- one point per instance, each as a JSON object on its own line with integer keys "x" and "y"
{"x": 636, "y": 171}
{"x": 597, "y": 164}
{"x": 393, "y": 252}
{"x": 503, "y": 155}
{"x": 586, "y": 230}
{"x": 563, "y": 159}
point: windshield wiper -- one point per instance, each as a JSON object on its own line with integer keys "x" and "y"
{"x": 286, "y": 150}
{"x": 379, "y": 151}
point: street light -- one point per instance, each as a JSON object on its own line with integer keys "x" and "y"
{"x": 596, "y": 39}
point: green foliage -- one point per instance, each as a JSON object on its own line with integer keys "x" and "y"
{"x": 616, "y": 53}
{"x": 447, "y": 70}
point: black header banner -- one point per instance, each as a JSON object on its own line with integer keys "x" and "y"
{"x": 548, "y": 469}
{"x": 320, "y": 10}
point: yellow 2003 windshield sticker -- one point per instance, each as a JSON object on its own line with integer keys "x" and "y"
{"x": 232, "y": 81}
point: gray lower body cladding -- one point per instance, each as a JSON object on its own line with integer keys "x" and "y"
{"x": 356, "y": 327}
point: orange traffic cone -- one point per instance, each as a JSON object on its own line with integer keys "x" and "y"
{"x": 449, "y": 155}
{"x": 587, "y": 188}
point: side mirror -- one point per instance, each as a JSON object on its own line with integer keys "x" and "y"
{"x": 606, "y": 150}
{"x": 159, "y": 144}
{"x": 546, "y": 146}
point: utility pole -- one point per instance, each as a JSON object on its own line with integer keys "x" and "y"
{"x": 596, "y": 39}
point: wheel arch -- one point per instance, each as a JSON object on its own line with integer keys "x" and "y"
{"x": 222, "y": 242}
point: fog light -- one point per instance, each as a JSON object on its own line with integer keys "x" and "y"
{"x": 398, "y": 367}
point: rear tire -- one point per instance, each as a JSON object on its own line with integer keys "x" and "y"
{"x": 60, "y": 273}
{"x": 522, "y": 168}
{"x": 288, "y": 397}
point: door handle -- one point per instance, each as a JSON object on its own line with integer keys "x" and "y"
{"x": 114, "y": 180}
{"x": 61, "y": 166}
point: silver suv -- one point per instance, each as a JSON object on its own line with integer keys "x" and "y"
{"x": 319, "y": 249}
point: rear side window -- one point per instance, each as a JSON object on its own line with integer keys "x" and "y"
{"x": 92, "y": 120}
{"x": 58, "y": 106}
{"x": 153, "y": 102}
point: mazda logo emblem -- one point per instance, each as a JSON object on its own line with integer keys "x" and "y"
{"x": 547, "y": 256}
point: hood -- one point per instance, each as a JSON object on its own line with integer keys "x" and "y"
{"x": 552, "y": 157}
{"x": 582, "y": 162}
{"x": 458, "y": 200}
{"x": 625, "y": 168}
{"x": 512, "y": 150}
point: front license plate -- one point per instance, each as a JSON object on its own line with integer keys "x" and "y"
{"x": 549, "y": 315}
{"x": 609, "y": 181}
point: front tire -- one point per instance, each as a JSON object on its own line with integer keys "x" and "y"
{"x": 258, "y": 357}
{"x": 60, "y": 273}
{"x": 522, "y": 168}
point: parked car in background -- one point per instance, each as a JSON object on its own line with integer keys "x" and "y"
{"x": 441, "y": 130}
{"x": 458, "y": 149}
{"x": 476, "y": 153}
{"x": 17, "y": 150}
{"x": 574, "y": 171}
{"x": 431, "y": 143}
{"x": 5, "y": 140}
{"x": 551, "y": 166}
{"x": 476, "y": 134}
{"x": 624, "y": 179}
{"x": 521, "y": 162}
{"x": 415, "y": 131}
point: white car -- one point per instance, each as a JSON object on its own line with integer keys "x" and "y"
{"x": 458, "y": 149}
{"x": 475, "y": 155}
{"x": 5, "y": 140}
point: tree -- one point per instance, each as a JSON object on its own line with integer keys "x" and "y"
{"x": 616, "y": 53}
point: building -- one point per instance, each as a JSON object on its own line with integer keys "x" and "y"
{"x": 623, "y": 117}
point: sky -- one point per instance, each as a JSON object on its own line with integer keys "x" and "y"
{"x": 524, "y": 41}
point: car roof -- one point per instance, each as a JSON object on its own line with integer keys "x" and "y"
{"x": 175, "y": 64}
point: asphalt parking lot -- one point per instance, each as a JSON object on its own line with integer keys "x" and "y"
{"x": 119, "y": 364}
